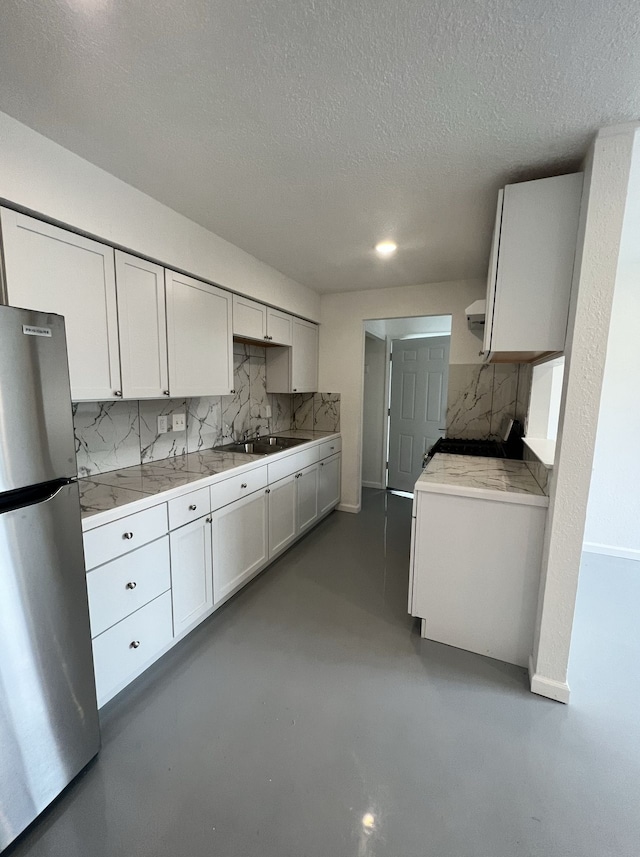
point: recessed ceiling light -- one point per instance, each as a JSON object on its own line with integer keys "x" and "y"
{"x": 386, "y": 248}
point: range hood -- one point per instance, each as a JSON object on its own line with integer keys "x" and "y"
{"x": 476, "y": 313}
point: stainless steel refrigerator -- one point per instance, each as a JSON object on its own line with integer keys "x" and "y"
{"x": 48, "y": 715}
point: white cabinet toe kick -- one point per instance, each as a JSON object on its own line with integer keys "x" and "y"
{"x": 154, "y": 575}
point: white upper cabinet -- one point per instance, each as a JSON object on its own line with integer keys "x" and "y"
{"x": 253, "y": 320}
{"x": 279, "y": 327}
{"x": 249, "y": 318}
{"x": 199, "y": 337}
{"x": 142, "y": 324}
{"x": 295, "y": 369}
{"x": 53, "y": 270}
{"x": 304, "y": 357}
{"x": 531, "y": 268}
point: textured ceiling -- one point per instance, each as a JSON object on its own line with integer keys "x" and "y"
{"x": 305, "y": 131}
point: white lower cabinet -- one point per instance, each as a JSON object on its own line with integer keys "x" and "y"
{"x": 329, "y": 484}
{"x": 191, "y": 577}
{"x": 282, "y": 514}
{"x": 122, "y": 652}
{"x": 240, "y": 542}
{"x": 307, "y": 497}
{"x": 123, "y": 585}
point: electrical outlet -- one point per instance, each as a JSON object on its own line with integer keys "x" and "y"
{"x": 163, "y": 424}
{"x": 267, "y": 412}
{"x": 179, "y": 422}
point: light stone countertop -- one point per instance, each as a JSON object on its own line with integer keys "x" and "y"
{"x": 108, "y": 496}
{"x": 498, "y": 479}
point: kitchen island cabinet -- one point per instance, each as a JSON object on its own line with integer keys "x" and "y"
{"x": 476, "y": 551}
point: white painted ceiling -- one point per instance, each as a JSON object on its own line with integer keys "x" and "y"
{"x": 306, "y": 131}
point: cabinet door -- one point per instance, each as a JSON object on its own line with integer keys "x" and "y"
{"x": 329, "y": 483}
{"x": 191, "y": 578}
{"x": 307, "y": 497}
{"x": 493, "y": 273}
{"x": 54, "y": 270}
{"x": 240, "y": 545}
{"x": 282, "y": 514}
{"x": 279, "y": 327}
{"x": 249, "y": 318}
{"x": 199, "y": 337}
{"x": 142, "y": 325}
{"x": 304, "y": 357}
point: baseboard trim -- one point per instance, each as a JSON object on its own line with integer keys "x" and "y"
{"x": 559, "y": 691}
{"x": 377, "y": 485}
{"x": 610, "y": 550}
{"x": 347, "y": 507}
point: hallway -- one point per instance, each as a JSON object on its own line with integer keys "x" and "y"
{"x": 306, "y": 719}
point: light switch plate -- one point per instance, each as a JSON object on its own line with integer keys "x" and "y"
{"x": 179, "y": 422}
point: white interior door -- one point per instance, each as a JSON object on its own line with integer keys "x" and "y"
{"x": 419, "y": 376}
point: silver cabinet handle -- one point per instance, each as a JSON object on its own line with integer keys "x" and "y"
{"x": 127, "y": 536}
{"x": 332, "y": 448}
{"x": 134, "y": 644}
{"x": 244, "y": 485}
{"x": 268, "y": 491}
{"x": 232, "y": 391}
{"x": 192, "y": 507}
{"x": 209, "y": 520}
{"x": 165, "y": 392}
{"x": 295, "y": 389}
{"x": 298, "y": 475}
{"x": 132, "y": 584}
{"x": 118, "y": 393}
{"x": 322, "y": 464}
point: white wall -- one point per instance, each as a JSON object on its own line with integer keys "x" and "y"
{"x": 41, "y": 176}
{"x": 613, "y": 514}
{"x": 606, "y": 182}
{"x": 375, "y": 352}
{"x": 342, "y": 351}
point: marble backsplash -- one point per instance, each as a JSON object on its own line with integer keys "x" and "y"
{"x": 481, "y": 395}
{"x": 111, "y": 435}
{"x": 317, "y": 411}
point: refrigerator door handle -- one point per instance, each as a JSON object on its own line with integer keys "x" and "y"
{"x": 35, "y": 494}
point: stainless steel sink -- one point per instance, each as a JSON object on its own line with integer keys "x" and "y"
{"x": 264, "y": 446}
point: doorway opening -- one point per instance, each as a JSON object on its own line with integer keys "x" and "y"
{"x": 406, "y": 365}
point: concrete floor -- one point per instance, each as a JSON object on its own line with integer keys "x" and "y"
{"x": 309, "y": 704}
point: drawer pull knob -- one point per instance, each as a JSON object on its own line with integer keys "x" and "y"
{"x": 118, "y": 393}
{"x": 209, "y": 520}
{"x": 322, "y": 464}
{"x": 268, "y": 491}
{"x": 127, "y": 536}
{"x": 332, "y": 448}
{"x": 134, "y": 644}
{"x": 165, "y": 392}
{"x": 298, "y": 475}
{"x": 244, "y": 485}
{"x": 192, "y": 507}
{"x": 132, "y": 584}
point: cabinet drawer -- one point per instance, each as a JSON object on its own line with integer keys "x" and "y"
{"x": 123, "y": 651}
{"x": 112, "y": 540}
{"x": 292, "y": 463}
{"x": 330, "y": 447}
{"x": 123, "y": 585}
{"x": 194, "y": 505}
{"x": 237, "y": 487}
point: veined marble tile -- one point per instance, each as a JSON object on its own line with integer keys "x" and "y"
{"x": 326, "y": 411}
{"x": 154, "y": 446}
{"x": 107, "y": 436}
{"x": 470, "y": 471}
{"x": 204, "y": 423}
{"x": 525, "y": 374}
{"x": 236, "y": 409}
{"x": 281, "y": 413}
{"x": 302, "y": 416}
{"x": 469, "y": 400}
{"x": 98, "y": 497}
{"x": 259, "y": 422}
{"x": 505, "y": 392}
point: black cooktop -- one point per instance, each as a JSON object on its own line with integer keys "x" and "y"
{"x": 485, "y": 448}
